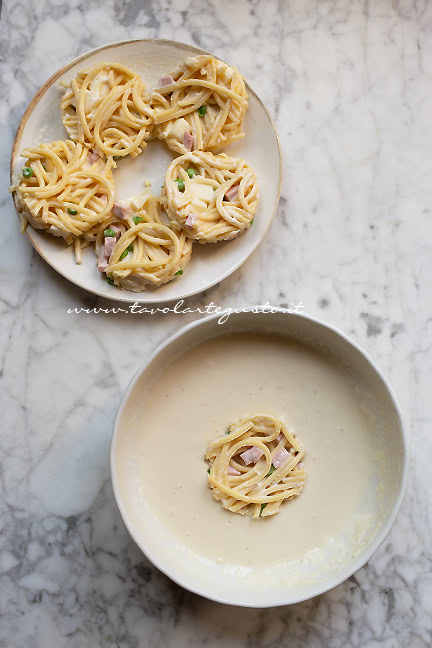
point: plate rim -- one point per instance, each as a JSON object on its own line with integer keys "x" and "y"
{"x": 128, "y": 297}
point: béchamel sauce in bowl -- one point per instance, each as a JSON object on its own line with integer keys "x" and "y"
{"x": 329, "y": 393}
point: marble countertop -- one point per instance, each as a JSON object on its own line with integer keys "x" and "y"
{"x": 348, "y": 84}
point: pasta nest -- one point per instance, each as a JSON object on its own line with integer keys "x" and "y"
{"x": 146, "y": 251}
{"x": 201, "y": 105}
{"x": 70, "y": 189}
{"x": 213, "y": 197}
{"x": 107, "y": 107}
{"x": 256, "y": 466}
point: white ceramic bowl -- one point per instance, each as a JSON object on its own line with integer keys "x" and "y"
{"x": 210, "y": 263}
{"x": 212, "y": 580}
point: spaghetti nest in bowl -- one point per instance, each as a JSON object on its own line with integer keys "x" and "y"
{"x": 65, "y": 189}
{"x": 256, "y": 466}
{"x": 212, "y": 197}
{"x": 107, "y": 108}
{"x": 201, "y": 105}
{"x": 136, "y": 248}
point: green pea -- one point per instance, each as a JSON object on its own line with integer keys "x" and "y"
{"x": 137, "y": 219}
{"x": 125, "y": 253}
{"x": 263, "y": 507}
{"x": 191, "y": 172}
{"x": 110, "y": 281}
{"x": 271, "y": 471}
{"x": 180, "y": 184}
{"x": 179, "y": 272}
{"x": 202, "y": 111}
{"x": 108, "y": 232}
{"x": 252, "y": 221}
{"x": 72, "y": 212}
{"x": 27, "y": 172}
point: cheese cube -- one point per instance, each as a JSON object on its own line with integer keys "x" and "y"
{"x": 177, "y": 128}
{"x": 202, "y": 191}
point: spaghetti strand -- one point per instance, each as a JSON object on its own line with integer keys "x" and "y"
{"x": 107, "y": 107}
{"x": 201, "y": 105}
{"x": 212, "y": 197}
{"x": 68, "y": 190}
{"x": 256, "y": 466}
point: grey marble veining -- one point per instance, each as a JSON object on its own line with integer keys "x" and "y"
{"x": 349, "y": 86}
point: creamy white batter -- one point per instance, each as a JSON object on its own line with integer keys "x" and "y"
{"x": 196, "y": 399}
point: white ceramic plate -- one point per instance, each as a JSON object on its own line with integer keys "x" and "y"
{"x": 210, "y": 263}
{"x": 265, "y": 584}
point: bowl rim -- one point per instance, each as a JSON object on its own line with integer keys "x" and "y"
{"x": 362, "y": 558}
{"x": 130, "y": 297}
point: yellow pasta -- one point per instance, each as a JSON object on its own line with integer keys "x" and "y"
{"x": 256, "y": 466}
{"x": 136, "y": 248}
{"x": 66, "y": 190}
{"x": 201, "y": 105}
{"x": 213, "y": 197}
{"x": 107, "y": 107}
{"x": 67, "y": 187}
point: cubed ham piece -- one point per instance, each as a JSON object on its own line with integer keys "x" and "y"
{"x": 92, "y": 157}
{"x": 119, "y": 210}
{"x": 232, "y": 193}
{"x": 233, "y": 471}
{"x": 280, "y": 457}
{"x": 252, "y": 455}
{"x": 190, "y": 220}
{"x": 188, "y": 141}
{"x": 117, "y": 230}
{"x": 102, "y": 263}
{"x": 166, "y": 81}
{"x": 109, "y": 246}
